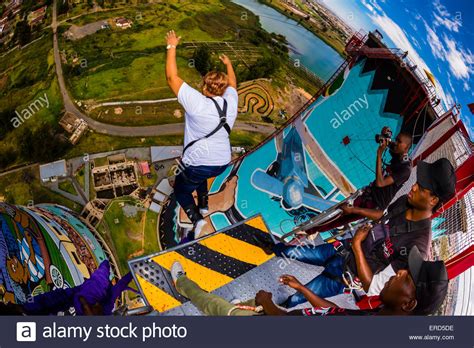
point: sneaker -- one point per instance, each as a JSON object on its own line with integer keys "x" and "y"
{"x": 177, "y": 271}
{"x": 198, "y": 228}
{"x": 204, "y": 211}
{"x": 264, "y": 244}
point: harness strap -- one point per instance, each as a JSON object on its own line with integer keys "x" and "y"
{"x": 222, "y": 123}
{"x": 407, "y": 227}
{"x": 222, "y": 114}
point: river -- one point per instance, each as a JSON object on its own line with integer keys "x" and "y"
{"x": 312, "y": 52}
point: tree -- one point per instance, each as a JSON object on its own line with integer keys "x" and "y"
{"x": 45, "y": 143}
{"x": 63, "y": 6}
{"x": 202, "y": 60}
{"x": 264, "y": 67}
{"x": 5, "y": 122}
{"x": 23, "y": 32}
{"x": 7, "y": 156}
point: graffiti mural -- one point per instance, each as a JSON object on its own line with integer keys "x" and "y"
{"x": 326, "y": 153}
{"x": 40, "y": 252}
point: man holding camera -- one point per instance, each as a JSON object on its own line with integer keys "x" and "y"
{"x": 388, "y": 180}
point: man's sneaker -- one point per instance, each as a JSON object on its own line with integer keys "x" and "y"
{"x": 177, "y": 271}
{"x": 204, "y": 211}
{"x": 264, "y": 244}
{"x": 198, "y": 228}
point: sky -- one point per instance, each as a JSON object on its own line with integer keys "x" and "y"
{"x": 438, "y": 34}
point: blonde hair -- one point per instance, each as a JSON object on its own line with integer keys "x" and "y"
{"x": 215, "y": 83}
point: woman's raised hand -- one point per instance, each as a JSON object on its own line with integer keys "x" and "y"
{"x": 172, "y": 39}
{"x": 224, "y": 59}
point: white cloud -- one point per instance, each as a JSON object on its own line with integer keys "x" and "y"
{"x": 465, "y": 86}
{"x": 440, "y": 8}
{"x": 460, "y": 61}
{"x": 368, "y": 6}
{"x": 444, "y": 18}
{"x": 435, "y": 43}
{"x": 452, "y": 25}
{"x": 415, "y": 42}
{"x": 413, "y": 25}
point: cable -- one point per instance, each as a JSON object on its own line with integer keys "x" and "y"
{"x": 416, "y": 122}
{"x": 353, "y": 154}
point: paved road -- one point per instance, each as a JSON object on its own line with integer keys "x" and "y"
{"x": 147, "y": 131}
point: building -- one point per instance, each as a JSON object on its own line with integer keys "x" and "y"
{"x": 74, "y": 126}
{"x": 115, "y": 179}
{"x": 144, "y": 168}
{"x": 37, "y": 16}
{"x": 123, "y": 23}
{"x": 51, "y": 172}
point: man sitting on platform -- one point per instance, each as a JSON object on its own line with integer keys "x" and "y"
{"x": 419, "y": 290}
{"x": 376, "y": 253}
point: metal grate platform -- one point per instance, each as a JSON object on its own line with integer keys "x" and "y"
{"x": 227, "y": 263}
{"x": 212, "y": 262}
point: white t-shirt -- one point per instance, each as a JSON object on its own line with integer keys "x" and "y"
{"x": 379, "y": 280}
{"x": 201, "y": 118}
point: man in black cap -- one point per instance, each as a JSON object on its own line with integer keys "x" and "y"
{"x": 420, "y": 290}
{"x": 376, "y": 253}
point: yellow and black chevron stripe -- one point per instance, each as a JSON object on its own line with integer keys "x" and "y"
{"x": 211, "y": 262}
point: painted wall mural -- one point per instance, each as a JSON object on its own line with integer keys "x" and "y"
{"x": 43, "y": 248}
{"x": 316, "y": 161}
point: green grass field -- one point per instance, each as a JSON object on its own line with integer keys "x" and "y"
{"x": 67, "y": 186}
{"x": 151, "y": 241}
{"x": 24, "y": 83}
{"x": 95, "y": 143}
{"x": 144, "y": 181}
{"x": 23, "y": 188}
{"x": 129, "y": 64}
{"x": 80, "y": 177}
{"x": 131, "y": 236}
{"x": 140, "y": 114}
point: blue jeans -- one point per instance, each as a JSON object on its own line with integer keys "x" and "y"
{"x": 321, "y": 255}
{"x": 194, "y": 178}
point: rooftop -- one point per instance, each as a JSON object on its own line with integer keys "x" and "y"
{"x": 52, "y": 170}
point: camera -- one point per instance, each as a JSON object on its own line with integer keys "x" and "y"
{"x": 386, "y": 133}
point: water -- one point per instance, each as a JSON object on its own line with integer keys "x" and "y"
{"x": 312, "y": 52}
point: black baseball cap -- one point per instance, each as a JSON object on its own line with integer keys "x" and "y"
{"x": 431, "y": 281}
{"x": 439, "y": 177}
